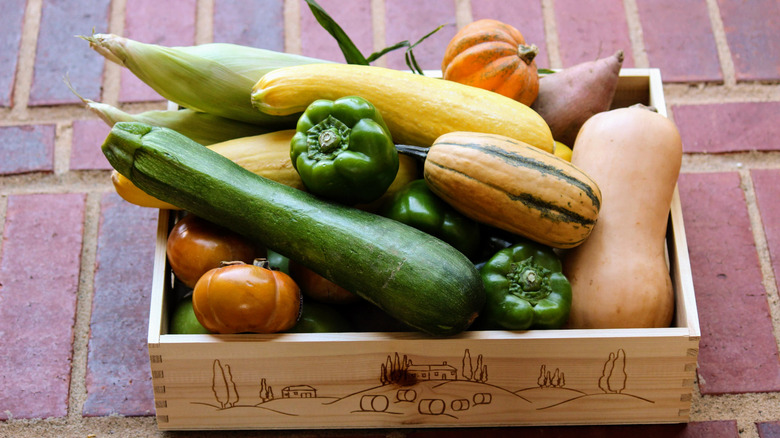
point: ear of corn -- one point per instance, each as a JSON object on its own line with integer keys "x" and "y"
{"x": 248, "y": 61}
{"x": 224, "y": 74}
{"x": 203, "y": 128}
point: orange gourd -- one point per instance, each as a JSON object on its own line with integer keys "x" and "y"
{"x": 493, "y": 56}
{"x": 240, "y": 297}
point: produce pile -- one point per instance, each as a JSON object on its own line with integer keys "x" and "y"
{"x": 316, "y": 196}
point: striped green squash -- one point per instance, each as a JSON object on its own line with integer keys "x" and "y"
{"x": 514, "y": 186}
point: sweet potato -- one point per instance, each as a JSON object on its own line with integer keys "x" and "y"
{"x": 571, "y": 96}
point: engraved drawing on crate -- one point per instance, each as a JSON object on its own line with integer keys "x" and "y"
{"x": 436, "y": 389}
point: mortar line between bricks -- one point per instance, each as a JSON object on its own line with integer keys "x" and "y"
{"x": 75, "y": 181}
{"x": 731, "y": 162}
{"x": 636, "y": 34}
{"x": 85, "y": 427}
{"x": 694, "y": 94}
{"x": 551, "y": 33}
{"x": 204, "y": 22}
{"x": 762, "y": 248}
{"x": 379, "y": 29}
{"x": 745, "y": 408}
{"x": 25, "y": 64}
{"x": 111, "y": 70}
{"x": 292, "y": 27}
{"x": 78, "y": 387}
{"x": 63, "y": 141}
{"x": 3, "y": 208}
{"x": 721, "y": 42}
{"x": 463, "y": 13}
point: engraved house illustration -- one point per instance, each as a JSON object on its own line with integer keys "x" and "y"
{"x": 432, "y": 371}
{"x": 299, "y": 391}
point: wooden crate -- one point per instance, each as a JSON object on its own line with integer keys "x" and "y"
{"x": 479, "y": 378}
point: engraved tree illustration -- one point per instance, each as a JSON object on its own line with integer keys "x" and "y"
{"x": 546, "y": 379}
{"x": 266, "y": 392}
{"x": 467, "y": 369}
{"x": 473, "y": 373}
{"x": 613, "y": 377}
{"x": 222, "y": 385}
{"x": 395, "y": 370}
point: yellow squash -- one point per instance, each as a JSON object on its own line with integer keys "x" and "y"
{"x": 417, "y": 109}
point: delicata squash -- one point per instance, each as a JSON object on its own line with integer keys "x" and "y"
{"x": 513, "y": 186}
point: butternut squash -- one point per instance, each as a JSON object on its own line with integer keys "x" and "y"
{"x": 619, "y": 275}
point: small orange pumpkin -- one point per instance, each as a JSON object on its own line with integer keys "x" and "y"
{"x": 493, "y": 56}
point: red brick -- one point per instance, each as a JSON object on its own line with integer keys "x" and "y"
{"x": 11, "y": 19}
{"x": 411, "y": 20}
{"x": 26, "y": 148}
{"x": 738, "y": 352}
{"x": 525, "y": 15}
{"x": 259, "y": 23}
{"x": 60, "y": 53}
{"x": 703, "y": 429}
{"x": 728, "y": 127}
{"x": 678, "y": 39}
{"x": 767, "y": 186}
{"x": 167, "y": 23}
{"x": 769, "y": 429}
{"x": 39, "y": 275}
{"x": 592, "y": 29}
{"x": 354, "y": 17}
{"x": 88, "y": 136}
{"x": 118, "y": 374}
{"x": 753, "y": 38}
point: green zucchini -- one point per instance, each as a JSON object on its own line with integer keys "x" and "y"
{"x": 414, "y": 277}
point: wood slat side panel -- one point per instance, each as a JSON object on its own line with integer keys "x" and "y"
{"x": 438, "y": 383}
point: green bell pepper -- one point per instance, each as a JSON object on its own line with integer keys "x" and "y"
{"x": 343, "y": 151}
{"x": 525, "y": 288}
{"x": 417, "y": 206}
{"x": 320, "y": 318}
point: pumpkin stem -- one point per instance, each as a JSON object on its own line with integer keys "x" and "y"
{"x": 262, "y": 263}
{"x": 527, "y": 53}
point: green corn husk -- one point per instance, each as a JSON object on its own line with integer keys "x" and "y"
{"x": 202, "y": 128}
{"x": 215, "y": 78}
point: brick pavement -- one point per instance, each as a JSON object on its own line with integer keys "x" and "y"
{"x": 75, "y": 259}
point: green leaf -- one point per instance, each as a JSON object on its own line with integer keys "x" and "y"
{"x": 410, "y": 59}
{"x": 544, "y": 71}
{"x": 351, "y": 53}
{"x": 376, "y": 55}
